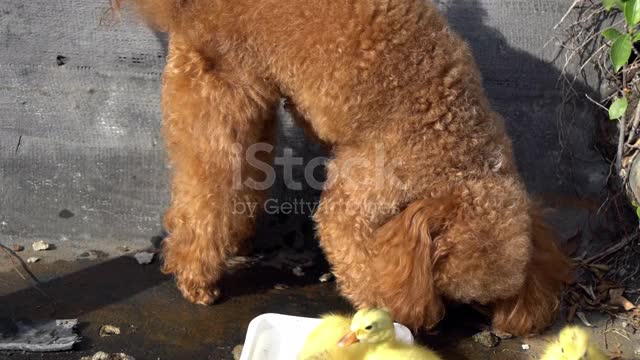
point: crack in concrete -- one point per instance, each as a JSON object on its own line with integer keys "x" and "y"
{"x": 19, "y": 142}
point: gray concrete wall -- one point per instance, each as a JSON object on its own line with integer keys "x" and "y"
{"x": 79, "y": 115}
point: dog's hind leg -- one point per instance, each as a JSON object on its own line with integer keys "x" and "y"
{"x": 210, "y": 121}
{"x": 500, "y": 253}
{"x": 536, "y": 304}
{"x": 380, "y": 247}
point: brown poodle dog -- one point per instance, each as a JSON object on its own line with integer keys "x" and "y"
{"x": 423, "y": 201}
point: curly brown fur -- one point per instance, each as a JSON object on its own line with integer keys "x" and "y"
{"x": 372, "y": 77}
{"x": 536, "y": 303}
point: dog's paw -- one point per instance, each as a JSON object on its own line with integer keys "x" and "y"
{"x": 199, "y": 294}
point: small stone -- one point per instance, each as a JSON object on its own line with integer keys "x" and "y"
{"x": 526, "y": 347}
{"x": 502, "y": 335}
{"x": 625, "y": 324}
{"x": 236, "y": 262}
{"x": 280, "y": 287}
{"x": 17, "y": 248}
{"x": 486, "y": 339}
{"x": 33, "y": 260}
{"x": 297, "y": 271}
{"x": 41, "y": 246}
{"x": 326, "y": 277}
{"x": 108, "y": 330}
{"x": 101, "y": 355}
{"x": 237, "y": 351}
{"x": 123, "y": 249}
{"x": 144, "y": 257}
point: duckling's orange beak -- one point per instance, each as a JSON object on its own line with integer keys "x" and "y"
{"x": 348, "y": 339}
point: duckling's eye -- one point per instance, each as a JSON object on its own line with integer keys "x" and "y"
{"x": 369, "y": 327}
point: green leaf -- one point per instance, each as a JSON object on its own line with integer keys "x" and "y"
{"x": 608, "y": 4}
{"x": 620, "y": 52}
{"x": 636, "y": 37}
{"x": 638, "y": 212}
{"x": 612, "y": 34}
{"x": 618, "y": 108}
{"x": 632, "y": 12}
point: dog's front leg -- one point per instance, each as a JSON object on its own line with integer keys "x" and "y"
{"x": 209, "y": 123}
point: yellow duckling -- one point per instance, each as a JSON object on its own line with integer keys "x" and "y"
{"x": 574, "y": 343}
{"x": 322, "y": 342}
{"x": 374, "y": 329}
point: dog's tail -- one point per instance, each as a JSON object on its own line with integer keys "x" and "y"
{"x": 159, "y": 14}
{"x": 549, "y": 270}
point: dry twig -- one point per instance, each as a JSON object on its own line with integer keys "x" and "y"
{"x": 613, "y": 249}
{"x": 621, "y": 134}
{"x": 567, "y": 13}
{"x": 634, "y": 124}
{"x": 12, "y": 256}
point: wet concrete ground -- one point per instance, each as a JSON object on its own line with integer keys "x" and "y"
{"x": 157, "y": 323}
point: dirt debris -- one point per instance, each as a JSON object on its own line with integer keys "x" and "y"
{"x": 237, "y": 351}
{"x": 605, "y": 283}
{"x": 144, "y": 257}
{"x": 41, "y": 245}
{"x": 634, "y": 318}
{"x": 109, "y": 330}
{"x": 33, "y": 260}
{"x": 38, "y": 335}
{"x": 617, "y": 299}
{"x": 583, "y": 318}
{"x": 326, "y": 277}
{"x": 235, "y": 263}
{"x": 17, "y": 248}
{"x": 101, "y": 355}
{"x": 486, "y": 339}
{"x": 297, "y": 271}
{"x": 502, "y": 335}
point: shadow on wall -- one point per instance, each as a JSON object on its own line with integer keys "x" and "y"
{"x": 559, "y": 139}
{"x": 554, "y": 140}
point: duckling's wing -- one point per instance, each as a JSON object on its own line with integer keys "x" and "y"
{"x": 576, "y": 343}
{"x": 419, "y": 353}
{"x": 395, "y": 350}
{"x": 324, "y": 338}
{"x": 553, "y": 352}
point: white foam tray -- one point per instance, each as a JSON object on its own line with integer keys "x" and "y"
{"x": 267, "y": 333}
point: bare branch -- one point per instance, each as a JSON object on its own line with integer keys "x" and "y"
{"x": 596, "y": 103}
{"x": 635, "y": 123}
{"x": 567, "y": 13}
